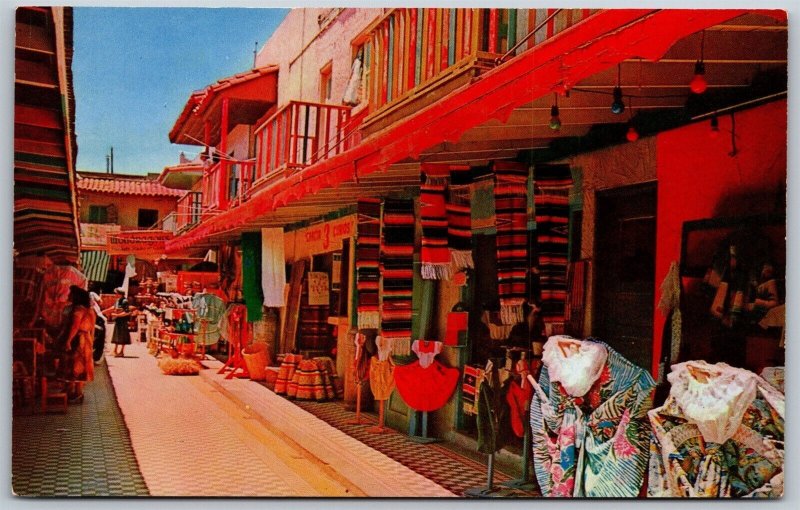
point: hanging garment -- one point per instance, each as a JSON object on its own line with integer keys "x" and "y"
{"x": 493, "y": 413}
{"x": 719, "y": 434}
{"x": 56, "y": 282}
{"x": 367, "y": 262}
{"x": 510, "y": 196}
{"x": 576, "y": 296}
{"x": 273, "y": 267}
{"x": 130, "y": 272}
{"x": 470, "y": 388}
{"x": 425, "y": 384}
{"x": 251, "y": 275}
{"x": 209, "y": 310}
{"x": 435, "y": 255}
{"x": 457, "y": 323}
{"x": 353, "y": 89}
{"x": 594, "y": 445}
{"x": 233, "y": 325}
{"x": 381, "y": 370}
{"x": 397, "y": 269}
{"x": 551, "y": 199}
{"x": 459, "y": 221}
{"x": 670, "y": 306}
{"x": 519, "y": 397}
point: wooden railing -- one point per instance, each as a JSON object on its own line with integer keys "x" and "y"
{"x": 189, "y": 209}
{"x": 298, "y": 135}
{"x": 411, "y": 47}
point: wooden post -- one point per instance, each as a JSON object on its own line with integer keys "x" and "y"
{"x": 430, "y": 49}
{"x": 222, "y": 177}
{"x": 494, "y": 16}
{"x": 412, "y": 48}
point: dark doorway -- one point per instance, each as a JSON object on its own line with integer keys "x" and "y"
{"x": 624, "y": 289}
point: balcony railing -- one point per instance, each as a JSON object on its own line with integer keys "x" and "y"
{"x": 188, "y": 210}
{"x": 413, "y": 49}
{"x": 298, "y": 135}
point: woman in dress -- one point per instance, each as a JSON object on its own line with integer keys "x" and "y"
{"x": 120, "y": 314}
{"x": 75, "y": 344}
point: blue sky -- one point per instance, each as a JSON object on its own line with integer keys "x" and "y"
{"x": 134, "y": 69}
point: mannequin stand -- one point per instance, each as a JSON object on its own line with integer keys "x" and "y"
{"x": 424, "y": 439}
{"x": 490, "y": 491}
{"x": 357, "y": 420}
{"x": 524, "y": 482}
{"x": 379, "y": 428}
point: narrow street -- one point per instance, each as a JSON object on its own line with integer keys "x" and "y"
{"x": 191, "y": 439}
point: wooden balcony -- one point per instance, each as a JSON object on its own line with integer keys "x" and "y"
{"x": 298, "y": 135}
{"x": 414, "y": 57}
{"x": 188, "y": 211}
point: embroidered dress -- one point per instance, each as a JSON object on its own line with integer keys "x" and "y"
{"x": 595, "y": 444}
{"x": 425, "y": 384}
{"x": 719, "y": 434}
{"x": 381, "y": 370}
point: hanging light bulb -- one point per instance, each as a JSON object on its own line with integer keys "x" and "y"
{"x": 698, "y": 85}
{"x": 618, "y": 106}
{"x": 555, "y": 120}
{"x": 632, "y": 135}
{"x": 714, "y": 127}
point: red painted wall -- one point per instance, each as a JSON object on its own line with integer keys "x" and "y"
{"x": 698, "y": 179}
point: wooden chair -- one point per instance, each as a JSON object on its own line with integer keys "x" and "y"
{"x": 53, "y": 395}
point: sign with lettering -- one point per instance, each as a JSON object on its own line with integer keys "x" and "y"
{"x": 319, "y": 291}
{"x": 322, "y": 238}
{"x": 95, "y": 235}
{"x": 144, "y": 244}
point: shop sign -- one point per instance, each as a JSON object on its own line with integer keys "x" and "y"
{"x": 323, "y": 238}
{"x": 95, "y": 235}
{"x": 319, "y": 291}
{"x": 144, "y": 244}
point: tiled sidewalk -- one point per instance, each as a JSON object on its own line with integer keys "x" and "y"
{"x": 86, "y": 452}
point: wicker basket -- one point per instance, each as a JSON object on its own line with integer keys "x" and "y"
{"x": 255, "y": 357}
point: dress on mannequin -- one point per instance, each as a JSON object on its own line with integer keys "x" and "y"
{"x": 426, "y": 384}
{"x": 719, "y": 434}
{"x": 594, "y": 444}
{"x": 381, "y": 370}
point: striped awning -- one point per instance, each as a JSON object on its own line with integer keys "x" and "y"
{"x": 95, "y": 265}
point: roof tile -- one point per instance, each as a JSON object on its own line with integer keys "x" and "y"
{"x": 127, "y": 186}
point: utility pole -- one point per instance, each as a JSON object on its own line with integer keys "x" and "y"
{"x": 112, "y": 159}
{"x": 255, "y": 53}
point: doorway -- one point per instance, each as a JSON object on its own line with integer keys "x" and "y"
{"x": 624, "y": 289}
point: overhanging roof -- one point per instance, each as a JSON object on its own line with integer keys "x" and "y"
{"x": 250, "y": 95}
{"x": 587, "y": 50}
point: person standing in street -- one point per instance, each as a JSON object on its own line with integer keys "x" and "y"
{"x": 120, "y": 314}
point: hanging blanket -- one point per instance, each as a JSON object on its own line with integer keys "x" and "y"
{"x": 273, "y": 267}
{"x": 470, "y": 387}
{"x": 552, "y": 235}
{"x": 459, "y": 221}
{"x": 367, "y": 262}
{"x": 397, "y": 264}
{"x": 576, "y": 298}
{"x": 510, "y": 195}
{"x": 251, "y": 275}
{"x": 435, "y": 255}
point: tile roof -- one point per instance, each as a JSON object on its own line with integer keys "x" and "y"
{"x": 126, "y": 186}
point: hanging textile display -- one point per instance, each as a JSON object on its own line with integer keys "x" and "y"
{"x": 56, "y": 282}
{"x": 493, "y": 414}
{"x": 367, "y": 262}
{"x": 719, "y": 434}
{"x": 457, "y": 323}
{"x": 459, "y": 220}
{"x": 273, "y": 267}
{"x": 551, "y": 197}
{"x": 510, "y": 195}
{"x": 233, "y": 325}
{"x": 519, "y": 396}
{"x": 397, "y": 269}
{"x": 435, "y": 255}
{"x": 425, "y": 384}
{"x": 589, "y": 421}
{"x": 470, "y": 388}
{"x": 381, "y": 370}
{"x": 251, "y": 275}
{"x": 670, "y": 306}
{"x": 576, "y": 297}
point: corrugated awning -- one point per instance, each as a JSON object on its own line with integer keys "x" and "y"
{"x": 95, "y": 265}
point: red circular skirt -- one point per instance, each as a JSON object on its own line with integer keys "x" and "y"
{"x": 425, "y": 389}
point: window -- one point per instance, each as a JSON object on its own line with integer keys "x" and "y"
{"x": 326, "y": 82}
{"x": 98, "y": 214}
{"x": 147, "y": 218}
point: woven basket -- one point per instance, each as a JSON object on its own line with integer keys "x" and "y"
{"x": 255, "y": 357}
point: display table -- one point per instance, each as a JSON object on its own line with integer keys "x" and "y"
{"x": 170, "y": 342}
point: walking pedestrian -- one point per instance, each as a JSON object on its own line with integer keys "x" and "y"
{"x": 120, "y": 313}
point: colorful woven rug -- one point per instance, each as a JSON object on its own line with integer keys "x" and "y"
{"x": 367, "y": 262}
{"x": 397, "y": 263}
{"x": 459, "y": 221}
{"x": 435, "y": 255}
{"x": 551, "y": 195}
{"x": 510, "y": 195}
